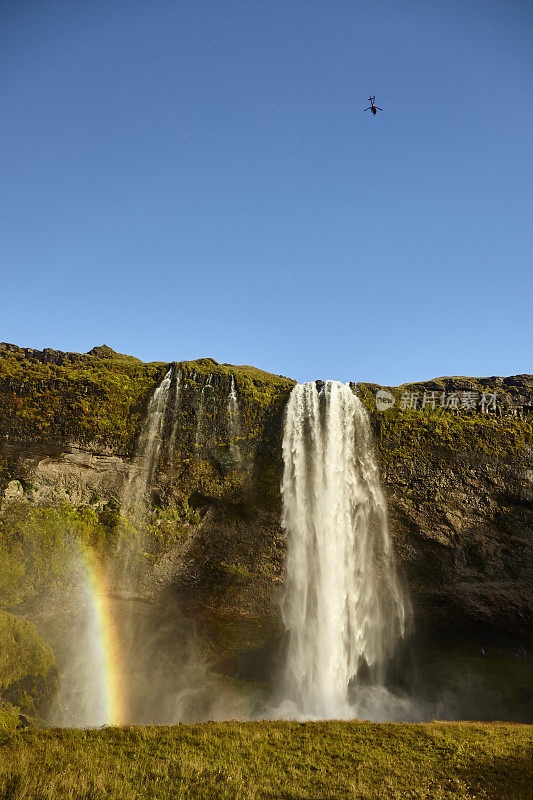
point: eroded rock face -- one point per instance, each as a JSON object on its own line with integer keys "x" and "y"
{"x": 80, "y": 477}
{"x": 459, "y": 483}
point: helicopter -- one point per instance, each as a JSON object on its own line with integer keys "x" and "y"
{"x": 372, "y": 107}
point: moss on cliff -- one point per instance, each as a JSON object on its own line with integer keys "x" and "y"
{"x": 436, "y": 435}
{"x": 100, "y": 399}
{"x": 40, "y": 549}
{"x": 252, "y": 384}
{"x": 459, "y": 490}
{"x": 54, "y": 397}
{"x": 443, "y": 472}
{"x": 9, "y": 718}
{"x": 214, "y": 456}
{"x": 44, "y": 550}
{"x": 28, "y": 672}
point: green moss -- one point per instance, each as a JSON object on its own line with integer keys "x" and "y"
{"x": 101, "y": 397}
{"x": 251, "y": 383}
{"x": 9, "y": 719}
{"x": 27, "y": 664}
{"x": 40, "y": 549}
{"x": 85, "y": 397}
{"x": 204, "y": 460}
{"x": 235, "y": 570}
{"x": 438, "y": 435}
{"x": 169, "y": 524}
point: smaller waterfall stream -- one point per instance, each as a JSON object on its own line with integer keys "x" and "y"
{"x": 343, "y": 607}
{"x": 148, "y": 446}
{"x": 176, "y": 419}
{"x": 206, "y": 388}
{"x": 234, "y": 420}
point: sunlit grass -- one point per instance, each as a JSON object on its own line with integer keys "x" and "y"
{"x": 325, "y": 760}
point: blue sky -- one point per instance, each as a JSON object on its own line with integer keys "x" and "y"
{"x": 183, "y": 179}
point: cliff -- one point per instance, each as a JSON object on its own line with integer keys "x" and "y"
{"x": 459, "y": 484}
{"x": 458, "y": 478}
{"x": 28, "y": 673}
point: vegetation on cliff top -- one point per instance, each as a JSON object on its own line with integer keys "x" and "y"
{"x": 439, "y": 761}
{"x": 64, "y": 396}
{"x": 101, "y": 396}
{"x": 435, "y": 435}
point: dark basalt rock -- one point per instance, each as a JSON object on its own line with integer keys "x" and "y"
{"x": 459, "y": 484}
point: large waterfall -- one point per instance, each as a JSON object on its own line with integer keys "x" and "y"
{"x": 343, "y": 607}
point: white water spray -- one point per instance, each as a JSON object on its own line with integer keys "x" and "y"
{"x": 175, "y": 422}
{"x": 149, "y": 445}
{"x": 343, "y": 607}
{"x": 201, "y": 414}
{"x": 82, "y": 699}
{"x": 234, "y": 427}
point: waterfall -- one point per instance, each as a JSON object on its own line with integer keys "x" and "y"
{"x": 149, "y": 445}
{"x": 82, "y": 696}
{"x": 175, "y": 421}
{"x": 343, "y": 607}
{"x": 201, "y": 414}
{"x": 234, "y": 427}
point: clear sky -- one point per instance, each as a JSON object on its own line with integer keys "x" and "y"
{"x": 186, "y": 178}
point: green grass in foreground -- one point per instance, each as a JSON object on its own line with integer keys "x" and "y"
{"x": 323, "y": 760}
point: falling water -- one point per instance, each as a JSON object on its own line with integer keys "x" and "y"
{"x": 82, "y": 699}
{"x": 175, "y": 421}
{"x": 149, "y": 445}
{"x": 234, "y": 427}
{"x": 201, "y": 414}
{"x": 343, "y": 607}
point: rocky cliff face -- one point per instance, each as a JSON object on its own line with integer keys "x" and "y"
{"x": 458, "y": 475}
{"x": 459, "y": 484}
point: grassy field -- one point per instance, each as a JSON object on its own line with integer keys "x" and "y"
{"x": 319, "y": 761}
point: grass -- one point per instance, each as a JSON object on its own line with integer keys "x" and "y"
{"x": 321, "y": 760}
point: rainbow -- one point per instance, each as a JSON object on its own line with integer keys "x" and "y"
{"x": 111, "y": 683}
